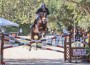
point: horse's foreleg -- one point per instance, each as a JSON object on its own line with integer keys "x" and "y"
{"x": 42, "y": 34}
{"x": 30, "y": 48}
{"x": 36, "y": 46}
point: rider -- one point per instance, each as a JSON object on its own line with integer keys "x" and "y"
{"x": 44, "y": 9}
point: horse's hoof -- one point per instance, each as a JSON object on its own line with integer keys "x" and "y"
{"x": 36, "y": 48}
{"x": 29, "y": 49}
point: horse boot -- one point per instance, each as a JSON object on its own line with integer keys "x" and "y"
{"x": 44, "y": 34}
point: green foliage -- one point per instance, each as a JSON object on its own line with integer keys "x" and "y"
{"x": 65, "y": 12}
{"x": 25, "y": 29}
{"x": 11, "y": 29}
{"x": 87, "y": 50}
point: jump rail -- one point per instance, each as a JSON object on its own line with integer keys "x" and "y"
{"x": 20, "y": 44}
{"x": 28, "y": 43}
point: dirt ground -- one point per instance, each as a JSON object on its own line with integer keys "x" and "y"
{"x": 22, "y": 56}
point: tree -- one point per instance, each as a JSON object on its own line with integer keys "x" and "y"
{"x": 64, "y": 12}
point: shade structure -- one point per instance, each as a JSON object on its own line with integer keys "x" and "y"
{"x": 4, "y": 22}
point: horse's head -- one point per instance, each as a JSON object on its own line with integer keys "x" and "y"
{"x": 42, "y": 15}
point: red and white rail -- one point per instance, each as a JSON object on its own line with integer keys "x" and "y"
{"x": 10, "y": 36}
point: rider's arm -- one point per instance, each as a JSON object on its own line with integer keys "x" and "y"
{"x": 47, "y": 11}
{"x": 38, "y": 11}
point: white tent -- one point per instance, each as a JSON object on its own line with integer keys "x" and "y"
{"x": 4, "y": 22}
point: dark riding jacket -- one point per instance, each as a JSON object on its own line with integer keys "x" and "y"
{"x": 43, "y": 10}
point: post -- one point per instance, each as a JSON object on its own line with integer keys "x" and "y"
{"x": 65, "y": 49}
{"x": 89, "y": 40}
{"x": 70, "y": 48}
{"x": 2, "y": 48}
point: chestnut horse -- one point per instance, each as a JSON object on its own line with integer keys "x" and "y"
{"x": 40, "y": 27}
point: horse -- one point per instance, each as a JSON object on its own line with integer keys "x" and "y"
{"x": 39, "y": 28}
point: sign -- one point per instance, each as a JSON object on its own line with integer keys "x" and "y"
{"x": 79, "y": 52}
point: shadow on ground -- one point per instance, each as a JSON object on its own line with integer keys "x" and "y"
{"x": 40, "y": 62}
{"x": 33, "y": 62}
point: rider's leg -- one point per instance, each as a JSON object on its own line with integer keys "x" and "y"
{"x": 37, "y": 17}
{"x": 35, "y": 22}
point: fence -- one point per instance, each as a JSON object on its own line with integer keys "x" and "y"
{"x": 75, "y": 50}
{"x": 54, "y": 41}
{"x": 18, "y": 43}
